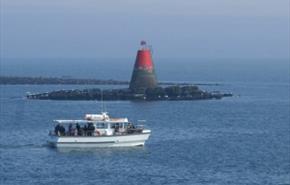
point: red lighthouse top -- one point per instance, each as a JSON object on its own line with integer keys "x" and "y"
{"x": 143, "y": 75}
{"x": 144, "y": 59}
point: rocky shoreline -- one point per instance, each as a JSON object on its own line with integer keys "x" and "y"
{"x": 153, "y": 94}
{"x": 164, "y": 90}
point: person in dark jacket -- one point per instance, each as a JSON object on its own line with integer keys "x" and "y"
{"x": 56, "y": 129}
{"x": 91, "y": 129}
{"x": 85, "y": 129}
{"x": 62, "y": 130}
{"x": 70, "y": 130}
{"x": 78, "y": 129}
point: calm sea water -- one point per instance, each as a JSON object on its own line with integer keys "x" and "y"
{"x": 244, "y": 139}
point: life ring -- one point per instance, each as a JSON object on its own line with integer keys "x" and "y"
{"x": 97, "y": 133}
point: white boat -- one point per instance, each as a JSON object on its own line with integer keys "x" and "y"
{"x": 98, "y": 130}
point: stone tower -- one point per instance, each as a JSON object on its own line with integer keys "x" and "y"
{"x": 143, "y": 76}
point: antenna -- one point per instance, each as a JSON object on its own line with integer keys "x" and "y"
{"x": 104, "y": 108}
{"x": 102, "y": 101}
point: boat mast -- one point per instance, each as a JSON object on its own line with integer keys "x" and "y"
{"x": 102, "y": 102}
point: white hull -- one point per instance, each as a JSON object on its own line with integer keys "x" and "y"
{"x": 99, "y": 141}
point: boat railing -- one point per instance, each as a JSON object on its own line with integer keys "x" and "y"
{"x": 68, "y": 133}
{"x": 132, "y": 130}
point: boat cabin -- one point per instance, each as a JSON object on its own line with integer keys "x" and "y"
{"x": 95, "y": 125}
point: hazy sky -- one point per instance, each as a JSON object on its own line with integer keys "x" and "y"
{"x": 114, "y": 28}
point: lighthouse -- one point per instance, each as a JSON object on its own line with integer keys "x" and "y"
{"x": 143, "y": 75}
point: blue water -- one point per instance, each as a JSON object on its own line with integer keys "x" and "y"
{"x": 244, "y": 139}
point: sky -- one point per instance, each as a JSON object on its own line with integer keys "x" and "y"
{"x": 174, "y": 28}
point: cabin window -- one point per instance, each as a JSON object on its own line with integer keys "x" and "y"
{"x": 101, "y": 125}
{"x": 115, "y": 125}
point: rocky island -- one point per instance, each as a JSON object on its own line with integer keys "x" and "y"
{"x": 150, "y": 94}
{"x": 143, "y": 86}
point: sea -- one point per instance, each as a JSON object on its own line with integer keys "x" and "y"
{"x": 239, "y": 140}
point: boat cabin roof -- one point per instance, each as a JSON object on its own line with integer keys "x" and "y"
{"x": 95, "y": 118}
{"x": 110, "y": 120}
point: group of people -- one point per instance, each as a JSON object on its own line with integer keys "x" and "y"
{"x": 59, "y": 130}
{"x": 77, "y": 130}
{"x": 89, "y": 129}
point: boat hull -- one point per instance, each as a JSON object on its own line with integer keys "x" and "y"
{"x": 99, "y": 141}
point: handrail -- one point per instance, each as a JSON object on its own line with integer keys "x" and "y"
{"x": 127, "y": 131}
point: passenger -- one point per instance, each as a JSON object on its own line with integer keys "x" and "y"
{"x": 62, "y": 130}
{"x": 78, "y": 129}
{"x": 90, "y": 129}
{"x": 81, "y": 132}
{"x": 85, "y": 129}
{"x": 56, "y": 129}
{"x": 70, "y": 129}
{"x": 133, "y": 126}
{"x": 129, "y": 129}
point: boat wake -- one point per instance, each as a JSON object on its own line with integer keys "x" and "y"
{"x": 23, "y": 146}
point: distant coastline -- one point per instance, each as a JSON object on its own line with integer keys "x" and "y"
{"x": 164, "y": 90}
{"x": 24, "y": 80}
{"x": 18, "y": 80}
